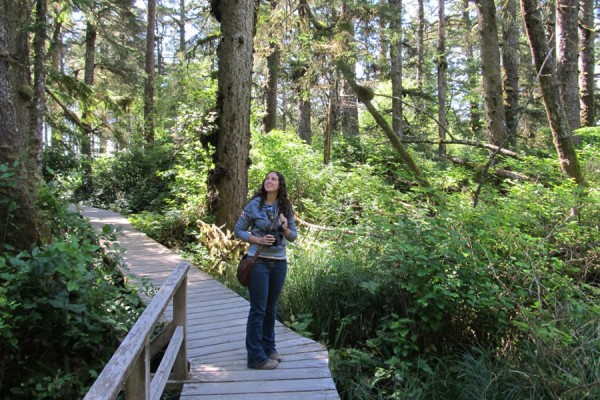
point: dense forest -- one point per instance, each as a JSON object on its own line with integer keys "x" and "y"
{"x": 441, "y": 158}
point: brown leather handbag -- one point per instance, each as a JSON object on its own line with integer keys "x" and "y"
{"x": 244, "y": 269}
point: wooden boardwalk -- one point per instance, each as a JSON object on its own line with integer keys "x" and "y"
{"x": 216, "y": 331}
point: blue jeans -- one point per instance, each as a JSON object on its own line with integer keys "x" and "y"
{"x": 265, "y": 287}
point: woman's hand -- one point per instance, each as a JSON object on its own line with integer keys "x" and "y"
{"x": 283, "y": 221}
{"x": 284, "y": 225}
{"x": 267, "y": 240}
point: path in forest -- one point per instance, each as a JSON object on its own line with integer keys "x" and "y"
{"x": 216, "y": 330}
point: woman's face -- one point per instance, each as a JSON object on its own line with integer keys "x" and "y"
{"x": 271, "y": 184}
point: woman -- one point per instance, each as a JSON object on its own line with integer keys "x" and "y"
{"x": 270, "y": 218}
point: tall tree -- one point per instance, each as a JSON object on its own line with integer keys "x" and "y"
{"x": 349, "y": 102}
{"x": 273, "y": 61}
{"x": 442, "y": 66}
{"x": 491, "y": 73}
{"x": 91, "y": 34}
{"x": 546, "y": 66}
{"x": 228, "y": 180}
{"x": 20, "y": 138}
{"x": 472, "y": 71}
{"x": 181, "y": 23}
{"x": 304, "y": 106}
{"x": 396, "y": 64}
{"x": 420, "y": 42}
{"x": 149, "y": 69}
{"x": 586, "y": 62}
{"x": 567, "y": 58}
{"x": 510, "y": 67}
{"x": 304, "y": 117}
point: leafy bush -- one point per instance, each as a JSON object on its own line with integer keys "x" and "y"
{"x": 411, "y": 291}
{"x": 63, "y": 308}
{"x": 131, "y": 181}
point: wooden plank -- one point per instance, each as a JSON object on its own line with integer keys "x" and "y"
{"x": 254, "y": 375}
{"x": 264, "y": 385}
{"x": 287, "y": 395}
{"x": 166, "y": 364}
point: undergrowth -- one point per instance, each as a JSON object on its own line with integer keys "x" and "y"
{"x": 417, "y": 300}
{"x": 64, "y": 307}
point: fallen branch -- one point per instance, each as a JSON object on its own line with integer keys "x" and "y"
{"x": 487, "y": 146}
{"x": 499, "y": 172}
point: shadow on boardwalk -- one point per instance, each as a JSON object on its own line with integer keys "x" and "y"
{"x": 216, "y": 331}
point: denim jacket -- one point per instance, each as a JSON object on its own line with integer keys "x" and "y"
{"x": 258, "y": 221}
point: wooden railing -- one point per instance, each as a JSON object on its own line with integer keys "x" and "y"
{"x": 129, "y": 367}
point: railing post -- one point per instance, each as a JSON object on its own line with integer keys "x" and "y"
{"x": 135, "y": 388}
{"x": 180, "y": 367}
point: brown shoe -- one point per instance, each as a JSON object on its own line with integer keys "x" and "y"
{"x": 276, "y": 357}
{"x": 269, "y": 364}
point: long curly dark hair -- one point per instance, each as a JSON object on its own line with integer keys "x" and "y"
{"x": 285, "y": 206}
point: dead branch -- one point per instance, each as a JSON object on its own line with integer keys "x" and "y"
{"x": 487, "y": 146}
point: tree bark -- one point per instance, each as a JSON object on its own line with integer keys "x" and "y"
{"x": 273, "y": 61}
{"x": 396, "y": 66}
{"x": 149, "y": 69}
{"x": 555, "y": 111}
{"x": 39, "y": 75}
{"x": 586, "y": 62}
{"x": 349, "y": 102}
{"x": 491, "y": 73}
{"x": 88, "y": 78}
{"x": 420, "y": 42}
{"x": 472, "y": 73}
{"x": 228, "y": 180}
{"x": 304, "y": 118}
{"x": 567, "y": 57}
{"x": 182, "y": 21}
{"x": 510, "y": 65}
{"x": 328, "y": 130}
{"x": 19, "y": 141}
{"x": 442, "y": 66}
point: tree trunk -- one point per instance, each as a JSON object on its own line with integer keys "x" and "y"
{"x": 396, "y": 63}
{"x": 442, "y": 66}
{"x": 273, "y": 61}
{"x": 228, "y": 180}
{"x": 420, "y": 43}
{"x": 19, "y": 142}
{"x": 149, "y": 69}
{"x": 39, "y": 75}
{"x": 304, "y": 118}
{"x": 88, "y": 78}
{"x": 491, "y": 73}
{"x": 349, "y": 102}
{"x": 586, "y": 62}
{"x": 510, "y": 65}
{"x": 328, "y": 130}
{"x": 182, "y": 21}
{"x": 472, "y": 73}
{"x": 546, "y": 66}
{"x": 384, "y": 44}
{"x": 567, "y": 56}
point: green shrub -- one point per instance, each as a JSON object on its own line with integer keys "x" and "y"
{"x": 64, "y": 306}
{"x": 132, "y": 181}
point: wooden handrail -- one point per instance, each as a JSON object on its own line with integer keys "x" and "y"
{"x": 129, "y": 367}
